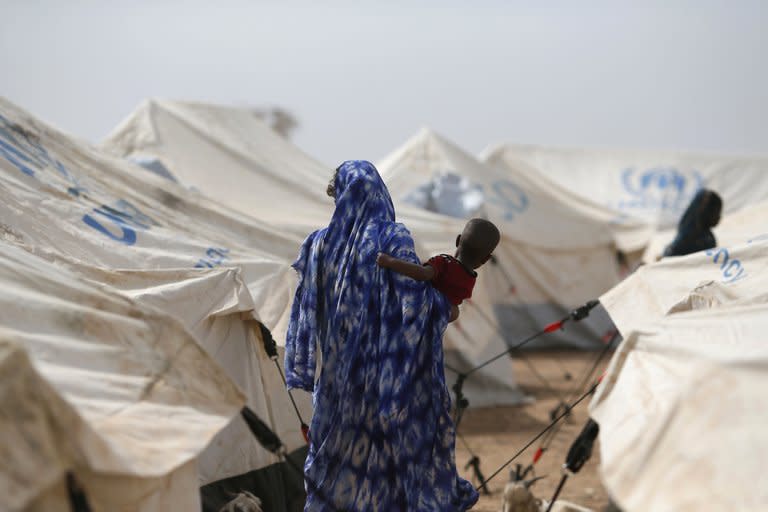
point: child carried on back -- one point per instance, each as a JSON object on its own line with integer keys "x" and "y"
{"x": 454, "y": 276}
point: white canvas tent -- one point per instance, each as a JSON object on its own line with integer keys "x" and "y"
{"x": 553, "y": 256}
{"x": 219, "y": 272}
{"x": 217, "y": 308}
{"x": 231, "y": 155}
{"x": 650, "y": 187}
{"x": 118, "y": 394}
{"x": 681, "y": 409}
{"x": 217, "y": 149}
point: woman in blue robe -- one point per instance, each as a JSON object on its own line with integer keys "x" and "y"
{"x": 381, "y": 438}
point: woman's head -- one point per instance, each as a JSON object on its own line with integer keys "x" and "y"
{"x": 331, "y": 189}
{"x": 710, "y": 210}
{"x": 703, "y": 212}
{"x": 356, "y": 183}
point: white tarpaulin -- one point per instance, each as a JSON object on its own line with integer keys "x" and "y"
{"x": 218, "y": 149}
{"x": 682, "y": 407}
{"x": 552, "y": 257}
{"x": 653, "y": 188}
{"x": 108, "y": 212}
{"x": 217, "y": 308}
{"x": 215, "y": 270}
{"x": 654, "y": 290}
{"x": 97, "y": 384}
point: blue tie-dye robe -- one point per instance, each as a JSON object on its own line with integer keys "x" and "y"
{"x": 382, "y": 438}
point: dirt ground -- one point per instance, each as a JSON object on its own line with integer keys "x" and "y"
{"x": 495, "y": 434}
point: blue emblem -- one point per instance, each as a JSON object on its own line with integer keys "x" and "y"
{"x": 510, "y": 197}
{"x": 659, "y": 188}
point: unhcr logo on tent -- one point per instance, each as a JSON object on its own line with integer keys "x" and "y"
{"x": 120, "y": 220}
{"x": 664, "y": 189}
{"x": 24, "y": 150}
{"x": 511, "y": 198}
{"x": 732, "y": 268}
{"x": 450, "y": 193}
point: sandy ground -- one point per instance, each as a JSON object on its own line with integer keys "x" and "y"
{"x": 496, "y": 434}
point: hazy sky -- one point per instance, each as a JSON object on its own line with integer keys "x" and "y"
{"x": 363, "y": 76}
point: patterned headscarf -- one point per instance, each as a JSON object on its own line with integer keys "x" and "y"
{"x": 381, "y": 435}
{"x": 363, "y": 206}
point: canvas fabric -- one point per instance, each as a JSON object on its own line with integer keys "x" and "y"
{"x": 680, "y": 407}
{"x": 96, "y": 384}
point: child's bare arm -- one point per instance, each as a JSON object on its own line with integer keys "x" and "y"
{"x": 417, "y": 272}
{"x": 412, "y": 270}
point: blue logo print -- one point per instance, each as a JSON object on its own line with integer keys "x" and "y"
{"x": 731, "y": 268}
{"x": 659, "y": 188}
{"x": 214, "y": 257}
{"x": 119, "y": 221}
{"x": 511, "y": 198}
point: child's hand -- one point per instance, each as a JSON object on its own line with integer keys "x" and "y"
{"x": 454, "y": 313}
{"x": 383, "y": 260}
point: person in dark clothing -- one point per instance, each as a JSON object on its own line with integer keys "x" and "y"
{"x": 694, "y": 232}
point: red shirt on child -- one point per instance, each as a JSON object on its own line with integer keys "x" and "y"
{"x": 452, "y": 278}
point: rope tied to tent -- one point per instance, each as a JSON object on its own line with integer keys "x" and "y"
{"x": 272, "y": 443}
{"x": 578, "y": 454}
{"x": 462, "y": 402}
{"x": 547, "y": 441}
{"x": 474, "y": 463}
{"x": 496, "y": 327}
{"x": 270, "y": 347}
{"x": 78, "y": 501}
{"x": 544, "y": 431}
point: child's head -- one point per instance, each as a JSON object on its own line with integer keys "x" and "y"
{"x": 476, "y": 243}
